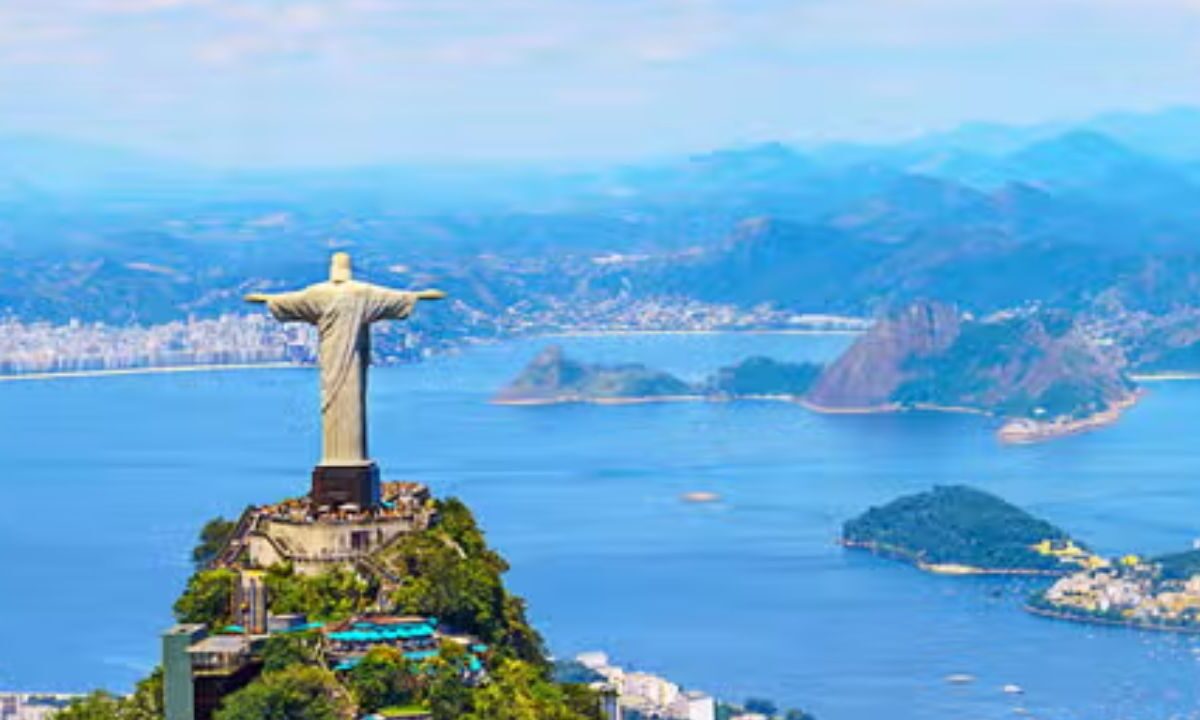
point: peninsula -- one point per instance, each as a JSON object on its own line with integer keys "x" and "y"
{"x": 1035, "y": 370}
{"x": 959, "y": 530}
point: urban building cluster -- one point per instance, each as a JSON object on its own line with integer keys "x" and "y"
{"x": 633, "y": 694}
{"x": 32, "y": 705}
{"x": 246, "y": 339}
{"x": 80, "y": 347}
{"x": 1131, "y": 591}
{"x": 659, "y": 314}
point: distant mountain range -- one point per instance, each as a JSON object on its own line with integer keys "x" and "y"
{"x": 1099, "y": 218}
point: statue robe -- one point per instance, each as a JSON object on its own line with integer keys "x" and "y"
{"x": 343, "y": 313}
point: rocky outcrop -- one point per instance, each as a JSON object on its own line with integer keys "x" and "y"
{"x": 869, "y": 373}
{"x": 1036, "y": 366}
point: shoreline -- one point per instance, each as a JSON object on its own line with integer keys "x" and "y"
{"x": 892, "y": 408}
{"x": 948, "y": 569}
{"x": 149, "y": 370}
{"x": 1026, "y": 432}
{"x": 644, "y": 400}
{"x": 581, "y": 400}
{"x": 1011, "y": 432}
{"x": 763, "y": 331}
{"x": 1084, "y": 619}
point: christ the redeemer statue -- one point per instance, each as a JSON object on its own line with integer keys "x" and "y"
{"x": 343, "y": 309}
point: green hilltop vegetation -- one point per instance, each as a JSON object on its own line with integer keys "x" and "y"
{"x": 957, "y": 526}
{"x": 447, "y": 571}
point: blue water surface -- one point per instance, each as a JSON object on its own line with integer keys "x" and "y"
{"x": 107, "y": 480}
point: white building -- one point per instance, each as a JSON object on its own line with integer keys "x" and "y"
{"x": 694, "y": 705}
{"x": 647, "y": 694}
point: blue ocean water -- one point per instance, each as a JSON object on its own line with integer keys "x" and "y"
{"x": 105, "y": 482}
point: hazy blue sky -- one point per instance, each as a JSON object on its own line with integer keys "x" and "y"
{"x": 334, "y": 81}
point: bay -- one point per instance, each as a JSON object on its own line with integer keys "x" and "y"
{"x": 107, "y": 480}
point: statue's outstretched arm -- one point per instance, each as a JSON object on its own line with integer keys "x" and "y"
{"x": 388, "y": 304}
{"x": 301, "y": 305}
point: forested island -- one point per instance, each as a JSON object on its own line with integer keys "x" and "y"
{"x": 554, "y": 377}
{"x": 960, "y": 530}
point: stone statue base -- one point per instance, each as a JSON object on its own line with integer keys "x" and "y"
{"x": 336, "y": 485}
{"x": 313, "y": 540}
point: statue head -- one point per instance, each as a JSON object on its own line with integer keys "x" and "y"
{"x": 339, "y": 267}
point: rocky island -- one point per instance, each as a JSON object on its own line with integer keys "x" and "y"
{"x": 553, "y": 377}
{"x": 960, "y": 530}
{"x": 1037, "y": 371}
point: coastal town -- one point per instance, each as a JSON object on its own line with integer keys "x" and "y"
{"x": 1156, "y": 594}
{"x": 239, "y": 339}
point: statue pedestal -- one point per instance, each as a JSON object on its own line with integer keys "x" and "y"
{"x": 335, "y": 485}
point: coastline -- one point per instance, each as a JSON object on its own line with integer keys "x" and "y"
{"x": 583, "y": 400}
{"x": 1012, "y": 432}
{"x": 892, "y": 408}
{"x": 148, "y": 370}
{"x": 1025, "y": 431}
{"x": 1085, "y": 619}
{"x": 762, "y": 331}
{"x": 895, "y": 553}
{"x": 645, "y": 399}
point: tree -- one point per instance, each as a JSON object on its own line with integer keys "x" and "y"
{"x": 382, "y": 678}
{"x": 208, "y": 598}
{"x": 213, "y": 536}
{"x": 146, "y": 702}
{"x": 451, "y": 573}
{"x": 446, "y": 695}
{"x": 761, "y": 706}
{"x": 333, "y": 595}
{"x": 282, "y": 651}
{"x": 797, "y": 715}
{"x": 297, "y": 693}
{"x": 520, "y": 691}
{"x": 97, "y": 705}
